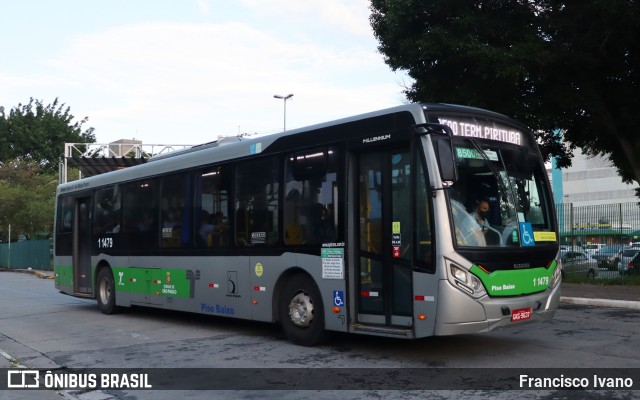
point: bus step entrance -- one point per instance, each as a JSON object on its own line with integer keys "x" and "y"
{"x": 383, "y": 330}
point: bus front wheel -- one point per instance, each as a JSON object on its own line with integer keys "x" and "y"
{"x": 106, "y": 292}
{"x": 302, "y": 312}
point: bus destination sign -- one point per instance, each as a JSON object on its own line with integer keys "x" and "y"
{"x": 483, "y": 130}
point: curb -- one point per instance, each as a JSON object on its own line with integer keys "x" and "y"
{"x": 38, "y": 273}
{"x": 633, "y": 305}
{"x": 42, "y": 275}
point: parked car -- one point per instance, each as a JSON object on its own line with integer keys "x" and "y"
{"x": 625, "y": 265}
{"x": 578, "y": 262}
{"x": 608, "y": 257}
{"x": 633, "y": 268}
{"x": 591, "y": 248}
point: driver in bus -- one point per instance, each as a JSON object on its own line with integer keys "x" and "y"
{"x": 480, "y": 213}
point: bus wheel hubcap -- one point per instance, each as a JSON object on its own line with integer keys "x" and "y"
{"x": 104, "y": 292}
{"x": 301, "y": 310}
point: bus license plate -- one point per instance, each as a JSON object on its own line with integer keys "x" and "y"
{"x": 520, "y": 315}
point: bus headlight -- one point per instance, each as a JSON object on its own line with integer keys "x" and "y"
{"x": 466, "y": 281}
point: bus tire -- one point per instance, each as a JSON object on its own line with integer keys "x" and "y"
{"x": 106, "y": 292}
{"x": 301, "y": 311}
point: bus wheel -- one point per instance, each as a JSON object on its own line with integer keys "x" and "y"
{"x": 106, "y": 295}
{"x": 301, "y": 311}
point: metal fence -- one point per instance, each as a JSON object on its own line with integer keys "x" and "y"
{"x": 609, "y": 224}
{"x": 607, "y": 234}
{"x": 34, "y": 254}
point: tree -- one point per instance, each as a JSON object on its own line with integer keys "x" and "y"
{"x": 38, "y": 132}
{"x": 554, "y": 64}
{"x": 27, "y": 198}
{"x": 32, "y": 138}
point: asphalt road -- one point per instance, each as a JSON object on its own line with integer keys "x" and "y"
{"x": 41, "y": 328}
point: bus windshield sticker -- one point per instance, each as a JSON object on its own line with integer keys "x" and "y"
{"x": 526, "y": 234}
{"x": 539, "y": 236}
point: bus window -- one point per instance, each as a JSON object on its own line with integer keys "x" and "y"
{"x": 311, "y": 197}
{"x": 140, "y": 216}
{"x": 212, "y": 205}
{"x": 64, "y": 226}
{"x": 256, "y": 208}
{"x": 65, "y": 213}
{"x": 108, "y": 211}
{"x": 175, "y": 211}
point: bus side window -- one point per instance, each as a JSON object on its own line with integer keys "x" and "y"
{"x": 212, "y": 207}
{"x": 175, "y": 211}
{"x": 64, "y": 226}
{"x": 311, "y": 197}
{"x": 140, "y": 215}
{"x": 256, "y": 209}
{"x": 108, "y": 211}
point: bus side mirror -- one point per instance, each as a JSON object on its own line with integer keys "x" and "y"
{"x": 443, "y": 146}
{"x": 446, "y": 160}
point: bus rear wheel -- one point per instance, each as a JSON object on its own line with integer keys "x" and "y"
{"x": 106, "y": 291}
{"x": 302, "y": 312}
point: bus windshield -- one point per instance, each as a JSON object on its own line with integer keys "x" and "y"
{"x": 500, "y": 197}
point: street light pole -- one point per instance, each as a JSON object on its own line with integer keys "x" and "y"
{"x": 285, "y": 98}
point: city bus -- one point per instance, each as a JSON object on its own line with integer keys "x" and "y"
{"x": 365, "y": 225}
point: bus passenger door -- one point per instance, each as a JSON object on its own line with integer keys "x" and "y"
{"x": 82, "y": 241}
{"x": 383, "y": 281}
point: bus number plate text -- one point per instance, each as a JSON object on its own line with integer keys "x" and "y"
{"x": 520, "y": 315}
{"x": 105, "y": 243}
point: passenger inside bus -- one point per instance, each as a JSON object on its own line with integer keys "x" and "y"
{"x": 108, "y": 219}
{"x": 172, "y": 220}
{"x": 206, "y": 226}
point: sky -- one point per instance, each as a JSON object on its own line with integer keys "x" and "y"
{"x": 190, "y": 71}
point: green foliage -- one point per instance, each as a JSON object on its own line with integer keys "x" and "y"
{"x": 32, "y": 138}
{"x": 38, "y": 132}
{"x": 554, "y": 64}
{"x": 27, "y": 198}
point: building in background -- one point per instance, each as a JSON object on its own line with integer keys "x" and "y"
{"x": 591, "y": 181}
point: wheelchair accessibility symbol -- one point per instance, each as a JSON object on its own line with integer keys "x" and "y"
{"x": 526, "y": 234}
{"x": 338, "y": 298}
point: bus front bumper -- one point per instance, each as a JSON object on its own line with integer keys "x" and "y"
{"x": 459, "y": 313}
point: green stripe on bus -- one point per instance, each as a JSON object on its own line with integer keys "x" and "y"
{"x": 153, "y": 281}
{"x": 63, "y": 275}
{"x": 515, "y": 282}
